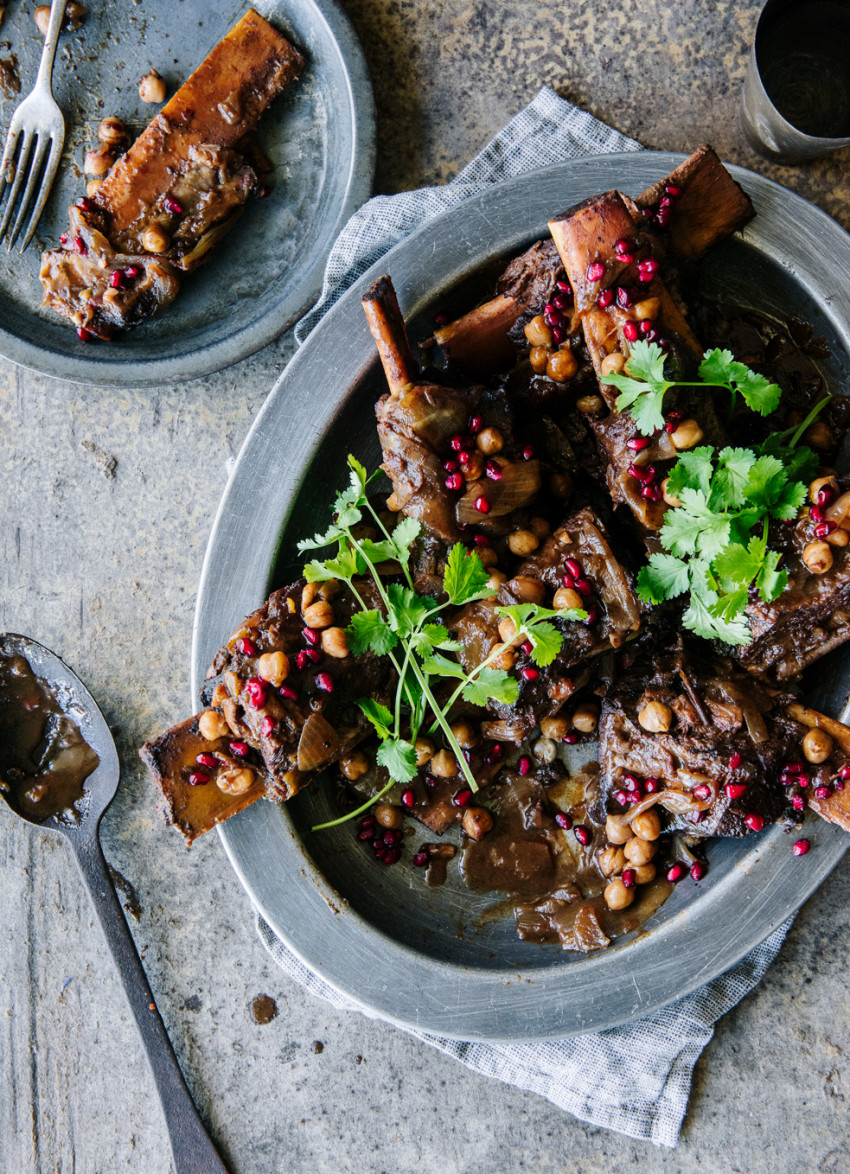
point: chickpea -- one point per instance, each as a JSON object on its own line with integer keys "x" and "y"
{"x": 639, "y": 851}
{"x": 616, "y": 832}
{"x": 539, "y": 359}
{"x": 488, "y": 556}
{"x": 538, "y": 333}
{"x": 475, "y": 466}
{"x": 611, "y": 860}
{"x": 335, "y": 642}
{"x": 497, "y": 578}
{"x": 507, "y": 630}
{"x": 219, "y": 695}
{"x": 527, "y": 590}
{"x": 586, "y": 718}
{"x": 504, "y": 659}
{"x": 822, "y": 483}
{"x": 668, "y": 496}
{"x": 92, "y": 186}
{"x": 589, "y": 405}
{"x": 318, "y": 615}
{"x": 466, "y": 734}
{"x": 644, "y": 873}
{"x": 539, "y": 527}
{"x": 98, "y": 161}
{"x": 566, "y": 598}
{"x": 819, "y": 436}
{"x": 74, "y": 17}
{"x": 354, "y": 765}
{"x": 560, "y": 485}
{"x": 554, "y": 727}
{"x": 647, "y": 825}
{"x": 112, "y": 131}
{"x": 613, "y": 364}
{"x": 655, "y": 717}
{"x": 818, "y": 557}
{"x": 648, "y": 308}
{"x": 233, "y": 682}
{"x": 523, "y": 542}
{"x": 389, "y": 816}
{"x": 562, "y": 365}
{"x": 211, "y": 725}
{"x": 328, "y": 589}
{"x": 152, "y": 87}
{"x": 545, "y": 750}
{"x": 477, "y": 822}
{"x": 444, "y": 765}
{"x": 424, "y": 748}
{"x": 617, "y": 896}
{"x": 687, "y": 435}
{"x": 155, "y": 240}
{"x": 235, "y": 782}
{"x": 838, "y": 538}
{"x": 817, "y": 746}
{"x": 490, "y": 441}
{"x": 273, "y": 667}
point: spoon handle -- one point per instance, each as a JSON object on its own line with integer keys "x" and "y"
{"x": 192, "y": 1149}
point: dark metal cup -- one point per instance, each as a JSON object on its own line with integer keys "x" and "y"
{"x": 796, "y": 100}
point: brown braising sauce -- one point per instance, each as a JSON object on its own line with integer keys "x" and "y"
{"x": 44, "y": 759}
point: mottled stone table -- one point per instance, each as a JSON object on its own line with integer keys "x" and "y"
{"x": 107, "y": 502}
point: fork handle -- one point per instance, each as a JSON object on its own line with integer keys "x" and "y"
{"x": 51, "y": 40}
{"x": 193, "y": 1151}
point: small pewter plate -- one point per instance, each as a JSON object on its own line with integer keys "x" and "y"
{"x": 435, "y": 959}
{"x": 319, "y": 134}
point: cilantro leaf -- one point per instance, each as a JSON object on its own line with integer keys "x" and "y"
{"x": 646, "y": 361}
{"x": 398, "y": 758}
{"x": 693, "y": 470}
{"x": 764, "y": 483}
{"x": 403, "y": 537}
{"x": 370, "y": 632}
{"x": 694, "y": 527}
{"x": 441, "y": 666}
{"x": 345, "y": 566}
{"x": 319, "y": 540}
{"x": 465, "y": 577}
{"x": 408, "y": 610}
{"x": 643, "y": 385}
{"x": 491, "y": 685}
{"x": 739, "y": 565}
{"x": 730, "y": 480}
{"x": 664, "y": 577}
{"x": 759, "y": 394}
{"x": 716, "y": 367}
{"x": 700, "y": 620}
{"x": 378, "y": 715}
{"x": 434, "y": 636}
{"x": 546, "y": 643}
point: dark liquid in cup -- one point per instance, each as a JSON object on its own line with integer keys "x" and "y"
{"x": 803, "y": 56}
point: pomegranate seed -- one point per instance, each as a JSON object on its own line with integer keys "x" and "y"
{"x": 661, "y": 217}
{"x": 574, "y": 567}
{"x": 672, "y": 190}
{"x": 568, "y": 581}
{"x": 457, "y": 443}
{"x": 392, "y": 856}
{"x": 325, "y": 682}
{"x": 630, "y": 331}
{"x": 441, "y": 319}
{"x": 644, "y": 276}
{"x": 524, "y": 765}
{"x": 528, "y": 452}
{"x": 822, "y": 792}
{"x": 624, "y": 298}
{"x": 257, "y": 692}
{"x": 527, "y": 647}
{"x": 626, "y": 258}
{"x": 288, "y": 692}
{"x": 826, "y": 495}
{"x": 735, "y": 790}
{"x": 198, "y": 777}
{"x": 583, "y": 587}
{"x": 494, "y": 754}
{"x": 623, "y": 245}
{"x": 816, "y": 513}
{"x": 420, "y": 859}
{"x": 628, "y": 878}
{"x": 493, "y": 470}
{"x": 131, "y": 272}
{"x": 845, "y": 771}
{"x": 802, "y": 780}
{"x": 267, "y": 727}
{"x": 645, "y": 327}
{"x": 582, "y": 834}
{"x": 675, "y": 873}
{"x": 481, "y": 540}
{"x": 650, "y": 266}
{"x": 561, "y": 302}
{"x": 802, "y": 847}
{"x": 652, "y": 785}
{"x": 592, "y": 617}
{"x": 482, "y": 505}
{"x": 622, "y": 798}
{"x": 475, "y": 425}
{"x": 605, "y": 298}
{"x": 564, "y": 287}
{"x": 454, "y": 481}
{"x": 82, "y": 334}
{"x": 641, "y": 474}
{"x": 665, "y": 202}
{"x": 695, "y": 816}
{"x": 431, "y": 782}
{"x": 172, "y": 206}
{"x": 63, "y": 239}
{"x": 704, "y": 792}
{"x": 461, "y": 798}
{"x": 208, "y": 760}
{"x": 638, "y": 443}
{"x": 365, "y": 834}
{"x": 407, "y": 798}
{"x": 698, "y": 870}
{"x": 312, "y": 636}
{"x": 824, "y": 528}
{"x": 239, "y": 749}
{"x": 754, "y": 821}
{"x": 450, "y": 466}
{"x": 116, "y": 280}
{"x": 391, "y": 837}
{"x": 570, "y": 738}
{"x": 558, "y": 334}
{"x": 306, "y": 657}
{"x": 246, "y": 647}
{"x": 464, "y": 457}
{"x": 563, "y": 821}
{"x": 529, "y": 673}
{"x": 80, "y": 246}
{"x": 798, "y": 802}
{"x": 735, "y": 761}
{"x": 595, "y": 271}
{"x": 652, "y": 492}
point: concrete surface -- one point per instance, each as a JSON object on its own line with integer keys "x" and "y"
{"x": 106, "y": 501}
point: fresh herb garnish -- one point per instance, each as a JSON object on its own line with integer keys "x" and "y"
{"x": 408, "y": 629}
{"x": 643, "y": 386}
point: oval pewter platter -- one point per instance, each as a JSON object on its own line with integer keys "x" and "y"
{"x": 319, "y": 134}
{"x": 434, "y": 959}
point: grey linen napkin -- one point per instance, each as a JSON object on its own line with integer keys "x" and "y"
{"x": 634, "y": 1079}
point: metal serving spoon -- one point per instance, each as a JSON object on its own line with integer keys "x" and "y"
{"x": 192, "y": 1149}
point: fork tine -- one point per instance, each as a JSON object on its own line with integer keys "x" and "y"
{"x": 50, "y": 170}
{"x": 36, "y": 164}
{"x": 8, "y": 154}
{"x": 21, "y": 171}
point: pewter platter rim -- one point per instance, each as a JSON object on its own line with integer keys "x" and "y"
{"x": 702, "y": 934}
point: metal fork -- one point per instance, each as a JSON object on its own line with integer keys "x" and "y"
{"x": 38, "y": 126}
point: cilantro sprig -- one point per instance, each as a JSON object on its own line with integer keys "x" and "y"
{"x": 408, "y": 629}
{"x": 643, "y": 385}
